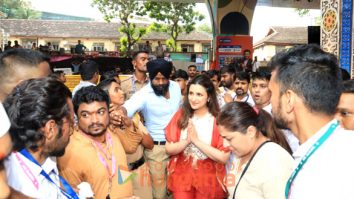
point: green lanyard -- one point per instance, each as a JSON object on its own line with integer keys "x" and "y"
{"x": 314, "y": 147}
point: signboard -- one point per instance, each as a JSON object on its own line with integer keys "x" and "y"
{"x": 230, "y": 49}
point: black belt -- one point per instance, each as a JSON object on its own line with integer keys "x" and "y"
{"x": 159, "y": 142}
{"x": 134, "y": 165}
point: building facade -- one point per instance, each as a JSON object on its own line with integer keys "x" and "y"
{"x": 96, "y": 36}
{"x": 277, "y": 39}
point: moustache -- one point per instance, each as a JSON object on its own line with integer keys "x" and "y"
{"x": 95, "y": 125}
{"x": 239, "y": 91}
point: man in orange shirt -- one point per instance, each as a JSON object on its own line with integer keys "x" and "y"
{"x": 93, "y": 154}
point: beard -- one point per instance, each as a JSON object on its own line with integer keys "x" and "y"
{"x": 60, "y": 150}
{"x": 88, "y": 130}
{"x": 240, "y": 91}
{"x": 227, "y": 84}
{"x": 160, "y": 90}
{"x": 279, "y": 120}
{"x": 98, "y": 133}
{"x": 57, "y": 152}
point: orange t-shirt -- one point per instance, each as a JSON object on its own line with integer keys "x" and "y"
{"x": 81, "y": 163}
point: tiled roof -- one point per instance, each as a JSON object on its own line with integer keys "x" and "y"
{"x": 284, "y": 35}
{"x": 81, "y": 29}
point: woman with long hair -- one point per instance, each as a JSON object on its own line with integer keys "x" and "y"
{"x": 196, "y": 168}
{"x": 260, "y": 161}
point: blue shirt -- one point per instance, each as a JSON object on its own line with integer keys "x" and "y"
{"x": 157, "y": 110}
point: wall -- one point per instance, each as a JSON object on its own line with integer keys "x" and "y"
{"x": 264, "y": 52}
{"x": 267, "y": 52}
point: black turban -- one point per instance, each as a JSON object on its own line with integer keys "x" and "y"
{"x": 159, "y": 65}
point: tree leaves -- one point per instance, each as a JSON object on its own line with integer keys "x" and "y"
{"x": 173, "y": 18}
{"x": 17, "y": 9}
{"x": 124, "y": 10}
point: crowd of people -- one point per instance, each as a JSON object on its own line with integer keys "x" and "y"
{"x": 48, "y": 48}
{"x": 159, "y": 133}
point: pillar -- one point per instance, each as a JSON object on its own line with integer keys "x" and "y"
{"x": 336, "y": 31}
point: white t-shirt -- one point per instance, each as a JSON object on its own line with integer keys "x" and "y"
{"x": 255, "y": 66}
{"x": 329, "y": 172}
{"x": 81, "y": 85}
{"x": 4, "y": 121}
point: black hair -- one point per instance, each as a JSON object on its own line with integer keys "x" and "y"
{"x": 212, "y": 73}
{"x": 106, "y": 84}
{"x": 242, "y": 76}
{"x": 17, "y": 59}
{"x": 88, "y": 69}
{"x": 348, "y": 86}
{"x": 192, "y": 66}
{"x": 109, "y": 74}
{"x": 238, "y": 116}
{"x": 312, "y": 74}
{"x": 88, "y": 95}
{"x": 135, "y": 54}
{"x": 56, "y": 74}
{"x": 181, "y": 74}
{"x": 212, "y": 104}
{"x": 262, "y": 75}
{"x": 30, "y": 105}
{"x": 345, "y": 74}
{"x": 228, "y": 69}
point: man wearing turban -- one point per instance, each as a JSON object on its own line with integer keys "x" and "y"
{"x": 157, "y": 101}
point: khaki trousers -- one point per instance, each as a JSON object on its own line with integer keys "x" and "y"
{"x": 157, "y": 161}
{"x": 142, "y": 183}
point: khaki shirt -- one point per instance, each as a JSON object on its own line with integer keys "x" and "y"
{"x": 131, "y": 85}
{"x": 81, "y": 163}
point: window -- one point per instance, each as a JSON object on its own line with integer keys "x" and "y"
{"x": 187, "y": 48}
{"x": 206, "y": 47}
{"x": 98, "y": 47}
{"x": 116, "y": 46}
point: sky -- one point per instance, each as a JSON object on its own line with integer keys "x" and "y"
{"x": 263, "y": 17}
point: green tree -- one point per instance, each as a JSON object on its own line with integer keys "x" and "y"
{"x": 17, "y": 9}
{"x": 124, "y": 10}
{"x": 205, "y": 28}
{"x": 302, "y": 12}
{"x": 173, "y": 18}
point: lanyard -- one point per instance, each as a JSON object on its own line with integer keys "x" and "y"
{"x": 247, "y": 165}
{"x": 242, "y": 98}
{"x": 68, "y": 192}
{"x": 102, "y": 159}
{"x": 313, "y": 148}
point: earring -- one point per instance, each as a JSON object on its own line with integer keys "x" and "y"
{"x": 208, "y": 100}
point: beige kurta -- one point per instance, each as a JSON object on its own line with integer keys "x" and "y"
{"x": 266, "y": 176}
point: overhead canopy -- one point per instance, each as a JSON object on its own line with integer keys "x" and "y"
{"x": 302, "y": 4}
